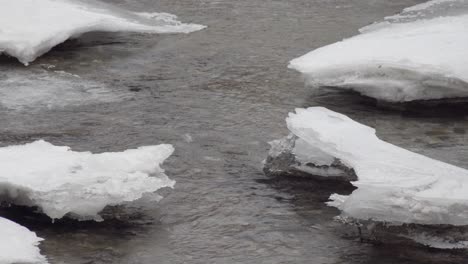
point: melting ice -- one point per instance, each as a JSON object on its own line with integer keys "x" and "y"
{"x": 419, "y": 54}
{"x": 30, "y": 28}
{"x": 394, "y": 185}
{"x": 60, "y": 181}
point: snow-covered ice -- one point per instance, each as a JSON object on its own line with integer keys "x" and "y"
{"x": 419, "y": 54}
{"x": 420, "y": 198}
{"x": 60, "y": 181}
{"x": 18, "y": 244}
{"x": 394, "y": 185}
{"x": 30, "y": 28}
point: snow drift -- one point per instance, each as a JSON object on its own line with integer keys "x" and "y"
{"x": 30, "y": 28}
{"x": 60, "y": 181}
{"x": 18, "y": 244}
{"x": 419, "y": 54}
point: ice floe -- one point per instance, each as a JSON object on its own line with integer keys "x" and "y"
{"x": 18, "y": 244}
{"x": 395, "y": 186}
{"x": 79, "y": 184}
{"x": 30, "y": 28}
{"x": 419, "y": 54}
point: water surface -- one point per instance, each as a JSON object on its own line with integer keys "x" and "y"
{"x": 218, "y": 96}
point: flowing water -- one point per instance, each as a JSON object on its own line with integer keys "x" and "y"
{"x": 218, "y": 95}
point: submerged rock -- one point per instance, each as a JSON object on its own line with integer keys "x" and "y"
{"x": 289, "y": 156}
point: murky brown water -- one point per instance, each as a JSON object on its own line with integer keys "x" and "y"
{"x": 218, "y": 96}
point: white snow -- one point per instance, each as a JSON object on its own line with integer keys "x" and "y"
{"x": 30, "y": 28}
{"x": 407, "y": 57}
{"x": 60, "y": 181}
{"x": 18, "y": 244}
{"x": 394, "y": 185}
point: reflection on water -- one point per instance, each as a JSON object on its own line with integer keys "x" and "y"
{"x": 218, "y": 96}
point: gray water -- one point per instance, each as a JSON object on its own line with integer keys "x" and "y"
{"x": 218, "y": 96}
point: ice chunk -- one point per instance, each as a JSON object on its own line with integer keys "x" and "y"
{"x": 18, "y": 244}
{"x": 418, "y": 55}
{"x": 60, "y": 181}
{"x": 30, "y": 28}
{"x": 394, "y": 185}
